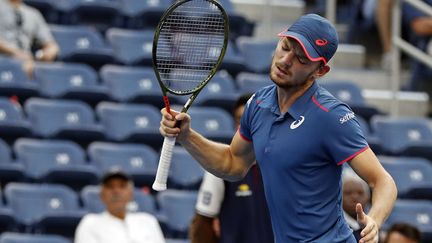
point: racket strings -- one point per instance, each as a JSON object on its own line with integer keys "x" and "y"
{"x": 190, "y": 42}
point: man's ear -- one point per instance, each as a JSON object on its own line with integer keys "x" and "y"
{"x": 322, "y": 71}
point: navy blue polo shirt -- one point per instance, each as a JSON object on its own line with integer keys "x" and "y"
{"x": 300, "y": 154}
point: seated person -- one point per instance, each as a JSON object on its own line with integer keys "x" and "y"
{"x": 116, "y": 225}
{"x": 402, "y": 233}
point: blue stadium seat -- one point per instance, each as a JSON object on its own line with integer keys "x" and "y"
{"x": 413, "y": 176}
{"x": 233, "y": 61}
{"x": 143, "y": 13}
{"x": 213, "y": 123}
{"x": 65, "y": 119}
{"x": 50, "y": 209}
{"x": 132, "y": 84}
{"x": 7, "y": 220}
{"x": 220, "y": 92}
{"x": 14, "y": 81}
{"x": 250, "y": 82}
{"x": 82, "y": 44}
{"x": 46, "y": 7}
{"x": 351, "y": 94}
{"x": 257, "y": 52}
{"x": 175, "y": 241}
{"x": 70, "y": 81}
{"x": 9, "y": 237}
{"x": 55, "y": 161}
{"x": 373, "y": 140}
{"x": 9, "y": 169}
{"x": 131, "y": 47}
{"x": 13, "y": 124}
{"x": 142, "y": 202}
{"x": 131, "y": 122}
{"x": 415, "y": 212}
{"x": 185, "y": 172}
{"x": 239, "y": 25}
{"x": 404, "y": 136}
{"x": 138, "y": 160}
{"x": 100, "y": 14}
{"x": 176, "y": 207}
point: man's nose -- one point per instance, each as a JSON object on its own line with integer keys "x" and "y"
{"x": 288, "y": 58}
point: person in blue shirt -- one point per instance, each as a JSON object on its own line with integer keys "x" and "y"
{"x": 300, "y": 135}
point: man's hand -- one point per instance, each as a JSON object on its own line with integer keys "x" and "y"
{"x": 370, "y": 232}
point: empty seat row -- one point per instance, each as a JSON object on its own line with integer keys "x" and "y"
{"x": 56, "y": 209}
{"x": 131, "y": 14}
{"x": 72, "y": 119}
{"x": 65, "y": 162}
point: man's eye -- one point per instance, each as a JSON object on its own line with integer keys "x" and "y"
{"x": 285, "y": 48}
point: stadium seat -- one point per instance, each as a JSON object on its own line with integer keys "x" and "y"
{"x": 185, "y": 172}
{"x": 351, "y": 94}
{"x": 251, "y": 82}
{"x": 64, "y": 119}
{"x": 213, "y": 123}
{"x": 219, "y": 92}
{"x": 142, "y": 202}
{"x": 13, "y": 124}
{"x": 54, "y": 11}
{"x": 176, "y": 208}
{"x": 55, "y": 161}
{"x": 415, "y": 212}
{"x": 404, "y": 136}
{"x": 373, "y": 141}
{"x": 70, "y": 81}
{"x": 132, "y": 84}
{"x": 9, "y": 237}
{"x": 9, "y": 169}
{"x": 14, "y": 81}
{"x": 131, "y": 123}
{"x": 175, "y": 241}
{"x": 131, "y": 47}
{"x": 82, "y": 44}
{"x": 233, "y": 61}
{"x": 257, "y": 52}
{"x": 100, "y": 14}
{"x": 7, "y": 220}
{"x": 413, "y": 176}
{"x": 143, "y": 13}
{"x": 138, "y": 160}
{"x": 45, "y": 208}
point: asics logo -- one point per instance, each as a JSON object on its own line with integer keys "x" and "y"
{"x": 296, "y": 124}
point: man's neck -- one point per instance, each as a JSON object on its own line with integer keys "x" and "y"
{"x": 119, "y": 215}
{"x": 286, "y": 98}
{"x": 15, "y": 3}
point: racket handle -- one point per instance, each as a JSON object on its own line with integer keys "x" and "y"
{"x": 164, "y": 164}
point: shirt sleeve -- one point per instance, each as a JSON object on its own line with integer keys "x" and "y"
{"x": 210, "y": 196}
{"x": 245, "y": 129}
{"x": 83, "y": 233}
{"x": 344, "y": 138}
{"x": 43, "y": 33}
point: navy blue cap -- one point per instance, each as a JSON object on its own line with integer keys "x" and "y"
{"x": 316, "y": 35}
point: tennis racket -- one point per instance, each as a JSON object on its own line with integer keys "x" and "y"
{"x": 188, "y": 47}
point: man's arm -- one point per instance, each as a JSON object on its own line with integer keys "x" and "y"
{"x": 384, "y": 193}
{"x": 48, "y": 52}
{"x": 229, "y": 162}
{"x": 422, "y": 26}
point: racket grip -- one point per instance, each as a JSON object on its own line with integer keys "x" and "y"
{"x": 164, "y": 164}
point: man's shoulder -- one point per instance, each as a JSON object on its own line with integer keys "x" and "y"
{"x": 335, "y": 110}
{"x": 92, "y": 218}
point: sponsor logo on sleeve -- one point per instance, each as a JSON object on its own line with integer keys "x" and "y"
{"x": 348, "y": 116}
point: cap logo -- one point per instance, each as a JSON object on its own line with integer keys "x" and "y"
{"x": 321, "y": 42}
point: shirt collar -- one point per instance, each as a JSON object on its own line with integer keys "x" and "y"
{"x": 298, "y": 108}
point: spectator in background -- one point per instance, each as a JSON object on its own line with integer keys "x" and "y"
{"x": 23, "y": 28}
{"x": 355, "y": 190}
{"x": 116, "y": 225}
{"x": 419, "y": 25}
{"x": 383, "y": 16}
{"x": 402, "y": 233}
{"x": 232, "y": 212}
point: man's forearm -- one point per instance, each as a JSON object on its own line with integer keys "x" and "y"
{"x": 6, "y": 48}
{"x": 383, "y": 197}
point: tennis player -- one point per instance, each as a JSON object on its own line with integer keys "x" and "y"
{"x": 300, "y": 135}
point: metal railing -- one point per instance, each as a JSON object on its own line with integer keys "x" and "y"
{"x": 401, "y": 45}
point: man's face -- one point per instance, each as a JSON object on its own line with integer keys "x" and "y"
{"x": 116, "y": 193}
{"x": 396, "y": 237}
{"x": 353, "y": 193}
{"x": 290, "y": 66}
